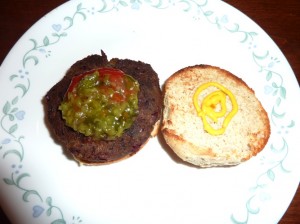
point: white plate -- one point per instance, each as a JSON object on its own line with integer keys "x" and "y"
{"x": 40, "y": 184}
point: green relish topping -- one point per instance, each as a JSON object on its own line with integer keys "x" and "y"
{"x": 101, "y": 103}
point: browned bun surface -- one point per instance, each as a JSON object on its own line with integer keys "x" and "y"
{"x": 246, "y": 134}
{"x": 88, "y": 150}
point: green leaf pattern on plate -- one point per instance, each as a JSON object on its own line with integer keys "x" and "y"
{"x": 12, "y": 114}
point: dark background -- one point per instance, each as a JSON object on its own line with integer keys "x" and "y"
{"x": 280, "y": 20}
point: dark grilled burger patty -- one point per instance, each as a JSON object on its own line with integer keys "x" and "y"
{"x": 91, "y": 151}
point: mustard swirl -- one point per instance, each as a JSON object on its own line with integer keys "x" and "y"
{"x": 214, "y": 100}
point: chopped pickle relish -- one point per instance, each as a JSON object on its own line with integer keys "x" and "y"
{"x": 101, "y": 103}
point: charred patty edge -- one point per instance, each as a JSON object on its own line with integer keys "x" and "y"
{"x": 90, "y": 151}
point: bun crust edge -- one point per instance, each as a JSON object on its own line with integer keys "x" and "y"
{"x": 182, "y": 128}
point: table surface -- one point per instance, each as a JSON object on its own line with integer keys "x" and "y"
{"x": 280, "y": 21}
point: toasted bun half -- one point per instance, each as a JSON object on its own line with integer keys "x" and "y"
{"x": 247, "y": 132}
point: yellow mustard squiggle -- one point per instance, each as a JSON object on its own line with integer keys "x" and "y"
{"x": 209, "y": 104}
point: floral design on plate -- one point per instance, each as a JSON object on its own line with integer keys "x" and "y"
{"x": 12, "y": 114}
